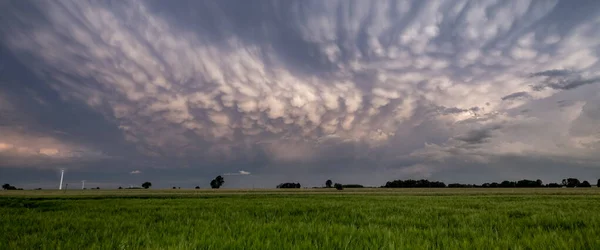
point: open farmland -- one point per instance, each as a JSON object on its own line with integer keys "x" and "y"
{"x": 301, "y": 219}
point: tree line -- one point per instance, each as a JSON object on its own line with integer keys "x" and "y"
{"x": 10, "y": 187}
{"x": 218, "y": 181}
{"x": 569, "y": 182}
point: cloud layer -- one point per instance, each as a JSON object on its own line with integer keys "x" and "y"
{"x": 339, "y": 85}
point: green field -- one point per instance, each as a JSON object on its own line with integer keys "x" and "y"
{"x": 302, "y": 219}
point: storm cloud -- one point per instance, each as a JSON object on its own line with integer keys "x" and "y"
{"x": 297, "y": 88}
{"x": 516, "y": 95}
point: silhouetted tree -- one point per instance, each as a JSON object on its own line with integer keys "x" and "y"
{"x": 507, "y": 184}
{"x": 554, "y": 185}
{"x": 571, "y": 182}
{"x": 146, "y": 185}
{"x": 328, "y": 183}
{"x": 197, "y": 187}
{"x": 414, "y": 184}
{"x": 10, "y": 187}
{"x": 288, "y": 185}
{"x": 120, "y": 187}
{"x": 174, "y": 188}
{"x": 598, "y": 183}
{"x": 352, "y": 186}
{"x": 585, "y": 184}
{"x": 217, "y": 182}
{"x": 338, "y": 186}
{"x": 528, "y": 183}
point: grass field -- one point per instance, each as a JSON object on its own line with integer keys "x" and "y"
{"x": 302, "y": 219}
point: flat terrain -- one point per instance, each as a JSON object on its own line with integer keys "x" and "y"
{"x": 302, "y": 219}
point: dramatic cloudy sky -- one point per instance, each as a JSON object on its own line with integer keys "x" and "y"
{"x": 120, "y": 92}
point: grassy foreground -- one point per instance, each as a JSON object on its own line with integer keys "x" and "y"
{"x": 268, "y": 219}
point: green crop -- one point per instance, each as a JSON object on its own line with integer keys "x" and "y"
{"x": 303, "y": 219}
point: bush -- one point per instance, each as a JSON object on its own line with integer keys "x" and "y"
{"x": 352, "y": 186}
{"x": 288, "y": 185}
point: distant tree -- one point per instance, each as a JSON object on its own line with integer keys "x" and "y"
{"x": 585, "y": 184}
{"x": 9, "y": 187}
{"x": 217, "y": 182}
{"x": 197, "y": 187}
{"x": 554, "y": 185}
{"x": 120, "y": 187}
{"x": 598, "y": 183}
{"x": 289, "y": 185}
{"x": 97, "y": 187}
{"x": 338, "y": 186}
{"x": 174, "y": 188}
{"x": 146, "y": 185}
{"x": 352, "y": 186}
{"x": 571, "y": 182}
{"x": 529, "y": 183}
{"x": 220, "y": 180}
{"x": 508, "y": 184}
{"x": 414, "y": 184}
{"x": 328, "y": 183}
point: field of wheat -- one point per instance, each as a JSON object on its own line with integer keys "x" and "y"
{"x": 301, "y": 219}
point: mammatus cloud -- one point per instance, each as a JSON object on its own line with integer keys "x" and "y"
{"x": 381, "y": 84}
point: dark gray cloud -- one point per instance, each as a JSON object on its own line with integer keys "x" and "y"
{"x": 516, "y": 95}
{"x": 562, "y": 80}
{"x": 192, "y": 89}
{"x": 478, "y": 136}
{"x": 553, "y": 73}
{"x": 566, "y": 85}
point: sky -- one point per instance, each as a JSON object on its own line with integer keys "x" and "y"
{"x": 265, "y": 92}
